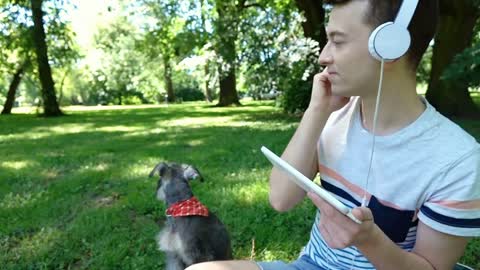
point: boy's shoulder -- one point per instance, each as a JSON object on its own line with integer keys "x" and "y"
{"x": 450, "y": 140}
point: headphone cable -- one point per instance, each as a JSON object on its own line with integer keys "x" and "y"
{"x": 375, "y": 115}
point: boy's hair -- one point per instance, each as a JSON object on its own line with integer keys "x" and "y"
{"x": 422, "y": 28}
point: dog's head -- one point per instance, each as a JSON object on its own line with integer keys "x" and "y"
{"x": 173, "y": 184}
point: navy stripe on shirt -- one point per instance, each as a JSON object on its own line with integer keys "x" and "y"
{"x": 339, "y": 192}
{"x": 450, "y": 221}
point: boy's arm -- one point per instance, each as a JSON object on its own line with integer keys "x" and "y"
{"x": 433, "y": 250}
{"x": 442, "y": 250}
{"x": 301, "y": 151}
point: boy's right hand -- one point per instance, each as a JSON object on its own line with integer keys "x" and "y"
{"x": 322, "y": 98}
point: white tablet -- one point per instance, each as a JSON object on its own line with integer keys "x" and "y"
{"x": 305, "y": 183}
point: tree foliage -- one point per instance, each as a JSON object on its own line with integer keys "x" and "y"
{"x": 226, "y": 49}
{"x": 18, "y": 47}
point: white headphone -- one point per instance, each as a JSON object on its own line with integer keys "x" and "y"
{"x": 391, "y": 40}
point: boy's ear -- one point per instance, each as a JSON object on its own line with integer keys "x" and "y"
{"x": 191, "y": 173}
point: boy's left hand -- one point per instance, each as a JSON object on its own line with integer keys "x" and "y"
{"x": 338, "y": 230}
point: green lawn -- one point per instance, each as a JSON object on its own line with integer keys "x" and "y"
{"x": 74, "y": 191}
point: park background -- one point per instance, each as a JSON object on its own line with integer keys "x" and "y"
{"x": 94, "y": 93}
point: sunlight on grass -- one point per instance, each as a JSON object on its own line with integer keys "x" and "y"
{"x": 99, "y": 167}
{"x": 39, "y": 243}
{"x": 119, "y": 129}
{"x": 45, "y": 132}
{"x": 197, "y": 121}
{"x": 272, "y": 254}
{"x": 50, "y": 174}
{"x": 109, "y": 107}
{"x": 145, "y": 132}
{"x": 80, "y": 108}
{"x": 139, "y": 170}
{"x": 79, "y": 128}
{"x": 24, "y": 110}
{"x": 251, "y": 193}
{"x": 225, "y": 121}
{"x": 70, "y": 128}
{"x": 12, "y": 200}
{"x": 17, "y": 165}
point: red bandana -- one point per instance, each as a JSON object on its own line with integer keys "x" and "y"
{"x": 190, "y": 207}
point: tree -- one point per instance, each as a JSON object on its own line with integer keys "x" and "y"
{"x": 18, "y": 50}
{"x": 50, "y": 104}
{"x": 226, "y": 32}
{"x": 16, "y": 44}
{"x": 204, "y": 48}
{"x": 116, "y": 75}
{"x": 455, "y": 34}
{"x": 314, "y": 24}
{"x": 12, "y": 89}
{"x": 298, "y": 90}
{"x": 162, "y": 39}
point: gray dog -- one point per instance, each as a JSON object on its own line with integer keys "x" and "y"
{"x": 191, "y": 234}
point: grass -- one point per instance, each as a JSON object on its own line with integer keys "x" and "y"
{"x": 74, "y": 191}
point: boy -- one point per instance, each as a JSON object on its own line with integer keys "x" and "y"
{"x": 423, "y": 196}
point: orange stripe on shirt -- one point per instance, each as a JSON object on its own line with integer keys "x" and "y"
{"x": 360, "y": 192}
{"x": 466, "y": 205}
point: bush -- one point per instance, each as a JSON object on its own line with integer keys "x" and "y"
{"x": 189, "y": 94}
{"x": 132, "y": 100}
{"x": 296, "y": 95}
{"x": 296, "y": 86}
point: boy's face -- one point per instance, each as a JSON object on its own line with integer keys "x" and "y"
{"x": 352, "y": 70}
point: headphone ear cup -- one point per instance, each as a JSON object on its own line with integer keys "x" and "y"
{"x": 388, "y": 42}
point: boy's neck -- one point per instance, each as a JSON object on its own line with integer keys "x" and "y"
{"x": 399, "y": 106}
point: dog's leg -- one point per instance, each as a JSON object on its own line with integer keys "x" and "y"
{"x": 195, "y": 254}
{"x": 174, "y": 262}
{"x": 168, "y": 241}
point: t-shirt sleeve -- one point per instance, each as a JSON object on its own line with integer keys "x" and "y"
{"x": 453, "y": 207}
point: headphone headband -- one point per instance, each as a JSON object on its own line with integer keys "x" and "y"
{"x": 405, "y": 14}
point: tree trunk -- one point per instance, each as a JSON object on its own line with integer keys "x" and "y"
{"x": 12, "y": 90}
{"x": 228, "y": 92}
{"x": 455, "y": 34}
{"x": 208, "y": 93}
{"x": 50, "y": 104}
{"x": 228, "y": 89}
{"x": 314, "y": 13}
{"x": 60, "y": 90}
{"x": 167, "y": 76}
{"x": 226, "y": 29}
{"x": 119, "y": 98}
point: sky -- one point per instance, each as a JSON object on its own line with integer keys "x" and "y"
{"x": 87, "y": 16}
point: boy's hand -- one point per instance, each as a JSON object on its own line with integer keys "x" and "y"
{"x": 322, "y": 97}
{"x": 339, "y": 231}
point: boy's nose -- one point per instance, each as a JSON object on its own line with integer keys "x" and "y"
{"x": 325, "y": 57}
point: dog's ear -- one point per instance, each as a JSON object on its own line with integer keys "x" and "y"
{"x": 191, "y": 173}
{"x": 160, "y": 168}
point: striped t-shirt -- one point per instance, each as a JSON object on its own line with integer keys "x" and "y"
{"x": 427, "y": 171}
